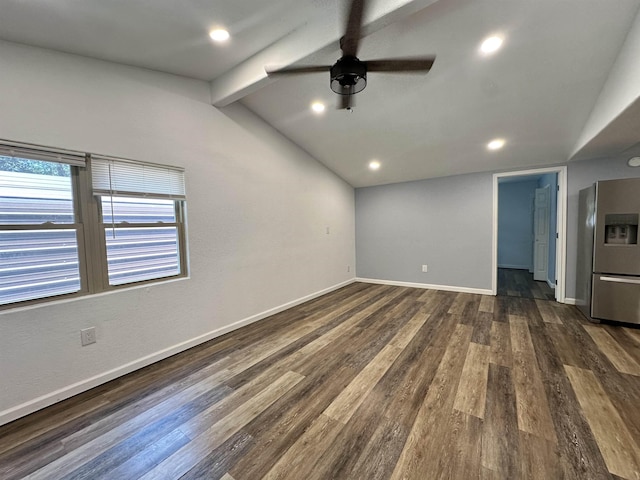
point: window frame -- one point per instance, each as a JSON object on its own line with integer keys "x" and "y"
{"x": 178, "y": 206}
{"x": 90, "y": 235}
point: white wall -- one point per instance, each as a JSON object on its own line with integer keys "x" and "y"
{"x": 620, "y": 92}
{"x": 258, "y": 208}
{"x": 444, "y": 223}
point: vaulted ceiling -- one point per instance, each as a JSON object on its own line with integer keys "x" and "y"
{"x": 537, "y": 92}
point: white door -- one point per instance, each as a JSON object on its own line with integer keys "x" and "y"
{"x": 541, "y": 233}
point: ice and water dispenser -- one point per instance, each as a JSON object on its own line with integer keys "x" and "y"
{"x": 621, "y": 229}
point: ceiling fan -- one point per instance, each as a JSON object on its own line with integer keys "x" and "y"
{"x": 349, "y": 74}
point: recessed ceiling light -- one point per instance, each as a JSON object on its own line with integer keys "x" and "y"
{"x": 317, "y": 107}
{"x": 219, "y": 35}
{"x": 496, "y": 144}
{"x": 374, "y": 164}
{"x": 491, "y": 44}
{"x": 634, "y": 162}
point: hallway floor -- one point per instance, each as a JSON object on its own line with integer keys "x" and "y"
{"x": 520, "y": 283}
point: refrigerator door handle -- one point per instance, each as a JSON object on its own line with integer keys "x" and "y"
{"x": 620, "y": 280}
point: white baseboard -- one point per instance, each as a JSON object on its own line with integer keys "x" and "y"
{"x": 552, "y": 285}
{"x": 570, "y": 301}
{"x": 43, "y": 401}
{"x": 514, "y": 267}
{"x": 448, "y": 288}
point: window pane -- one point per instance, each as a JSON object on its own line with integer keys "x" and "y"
{"x": 137, "y": 210}
{"x": 35, "y": 192}
{"x": 37, "y": 264}
{"x": 145, "y": 253}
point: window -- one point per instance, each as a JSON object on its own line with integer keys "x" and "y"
{"x": 63, "y": 232}
{"x": 141, "y": 211}
{"x": 141, "y": 238}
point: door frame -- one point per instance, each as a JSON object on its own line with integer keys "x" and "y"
{"x": 561, "y": 226}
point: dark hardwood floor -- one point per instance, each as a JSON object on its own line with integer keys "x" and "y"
{"x": 368, "y": 382}
{"x": 520, "y": 283}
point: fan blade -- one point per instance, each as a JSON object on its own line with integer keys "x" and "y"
{"x": 400, "y": 64}
{"x": 349, "y": 42}
{"x": 298, "y": 70}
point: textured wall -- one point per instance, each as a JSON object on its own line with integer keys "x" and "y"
{"x": 443, "y": 222}
{"x": 258, "y": 210}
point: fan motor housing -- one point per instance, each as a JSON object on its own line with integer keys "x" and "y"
{"x": 348, "y": 76}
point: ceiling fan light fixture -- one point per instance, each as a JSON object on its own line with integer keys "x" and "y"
{"x": 348, "y": 76}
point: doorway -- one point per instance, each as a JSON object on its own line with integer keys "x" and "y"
{"x": 529, "y": 245}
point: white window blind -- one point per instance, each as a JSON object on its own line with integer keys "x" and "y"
{"x": 126, "y": 177}
{"x": 32, "y": 152}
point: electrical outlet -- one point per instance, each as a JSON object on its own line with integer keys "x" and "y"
{"x": 88, "y": 336}
{"x": 424, "y": 268}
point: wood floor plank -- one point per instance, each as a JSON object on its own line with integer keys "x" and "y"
{"x": 349, "y": 400}
{"x": 579, "y": 454}
{"x": 472, "y": 389}
{"x": 520, "y": 283}
{"x": 565, "y": 346}
{"x": 342, "y": 408}
{"x": 84, "y": 453}
{"x": 154, "y": 407}
{"x": 534, "y": 416}
{"x": 626, "y": 341}
{"x": 615, "y": 353}
{"x": 188, "y": 456}
{"x": 336, "y": 333}
{"x": 620, "y": 451}
{"x": 539, "y": 458}
{"x": 409, "y": 378}
{"x": 548, "y": 312}
{"x": 298, "y": 460}
{"x": 427, "y": 384}
{"x": 459, "y": 304}
{"x": 21, "y": 433}
{"x": 340, "y": 458}
{"x": 633, "y": 333}
{"x": 377, "y": 459}
{"x": 221, "y": 458}
{"x": 486, "y": 303}
{"x": 462, "y": 447}
{"x": 147, "y": 458}
{"x": 500, "y": 435}
{"x": 245, "y": 358}
{"x": 501, "y": 344}
{"x": 482, "y": 328}
{"x": 424, "y": 440}
{"x": 278, "y": 426}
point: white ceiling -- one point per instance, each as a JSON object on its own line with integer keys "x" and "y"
{"x": 536, "y": 92}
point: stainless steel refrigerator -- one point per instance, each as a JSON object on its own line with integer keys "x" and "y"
{"x": 608, "y": 270}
